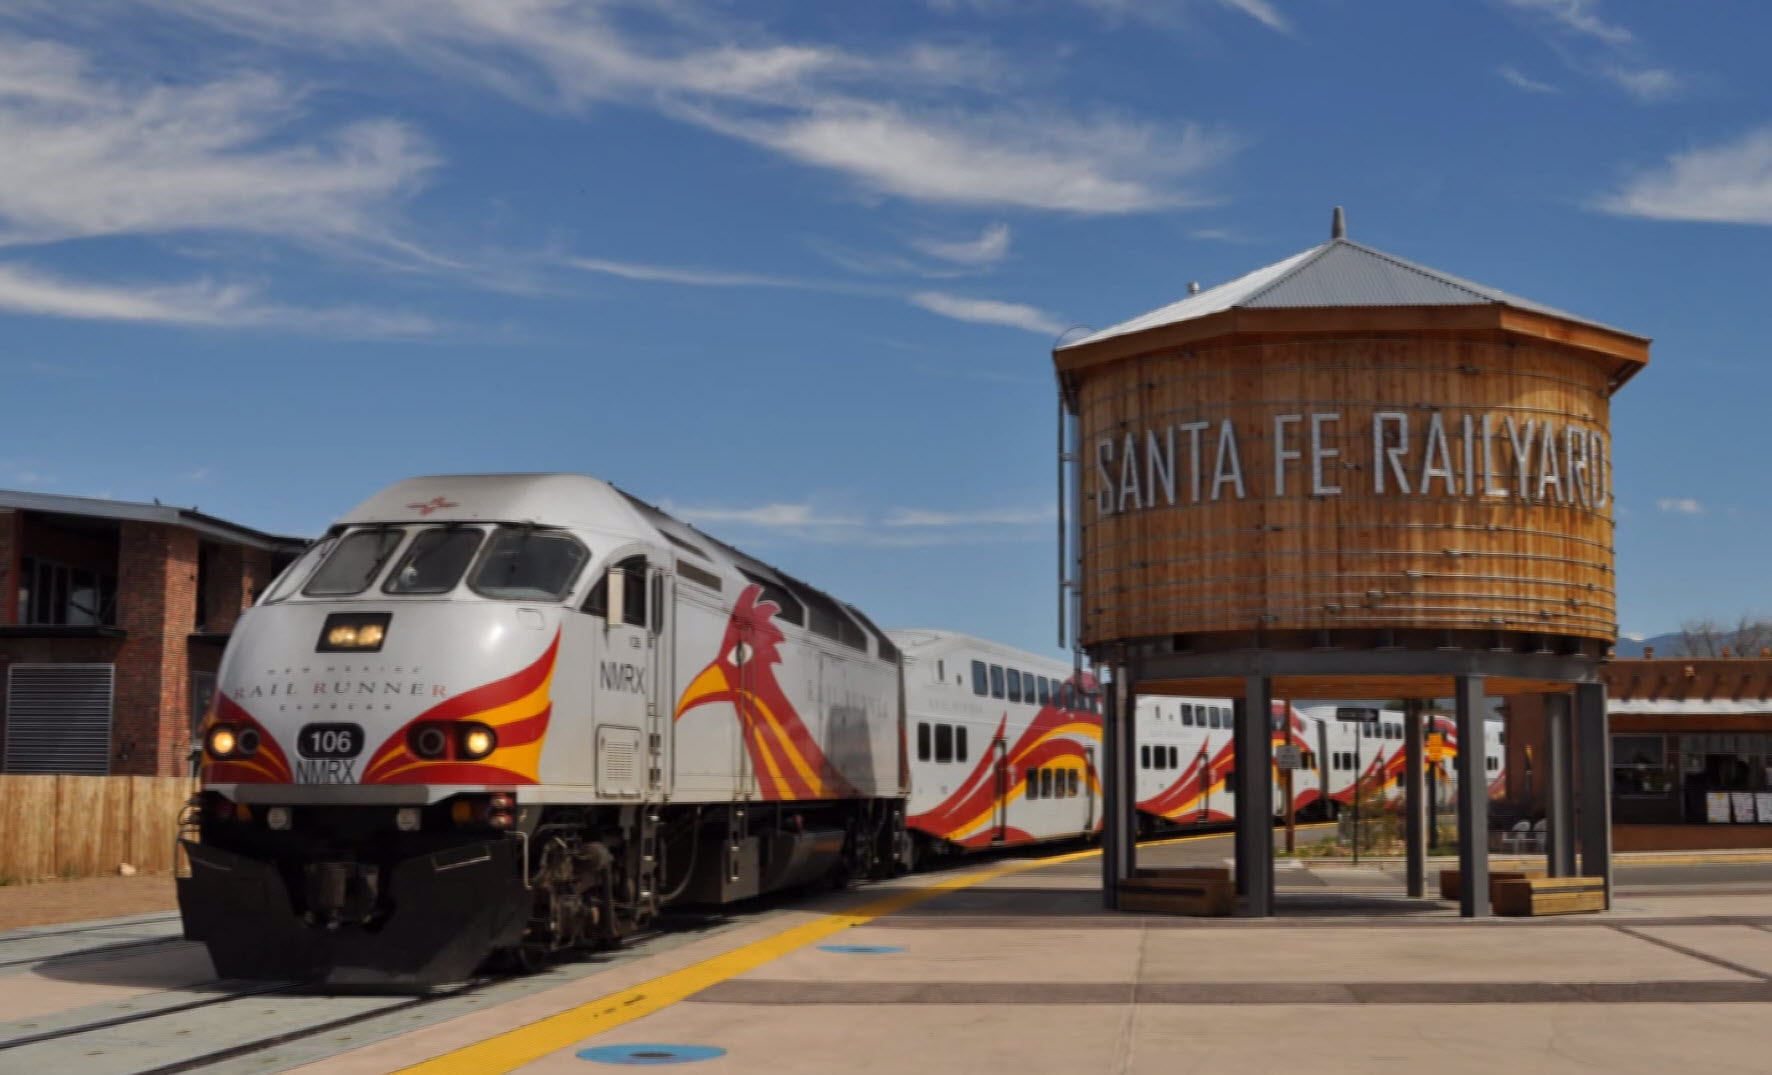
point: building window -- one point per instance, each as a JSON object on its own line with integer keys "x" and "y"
{"x": 1639, "y": 765}
{"x": 944, "y": 742}
{"x": 53, "y": 593}
{"x": 923, "y": 741}
{"x": 996, "y": 681}
{"x": 980, "y": 682}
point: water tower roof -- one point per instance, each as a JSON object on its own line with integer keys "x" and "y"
{"x": 1339, "y": 273}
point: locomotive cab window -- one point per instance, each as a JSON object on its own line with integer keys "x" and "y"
{"x": 632, "y": 572}
{"x": 435, "y": 561}
{"x": 297, "y": 573}
{"x": 353, "y": 563}
{"x": 527, "y": 564}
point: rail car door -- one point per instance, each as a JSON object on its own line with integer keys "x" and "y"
{"x": 1000, "y": 749}
{"x": 629, "y": 761}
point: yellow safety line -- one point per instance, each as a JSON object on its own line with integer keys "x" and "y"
{"x": 514, "y": 1048}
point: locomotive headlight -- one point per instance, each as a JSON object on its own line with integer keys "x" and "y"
{"x": 428, "y": 741}
{"x": 222, "y": 741}
{"x": 354, "y": 632}
{"x": 477, "y": 741}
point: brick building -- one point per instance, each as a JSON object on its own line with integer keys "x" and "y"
{"x": 112, "y": 628}
{"x": 1691, "y": 752}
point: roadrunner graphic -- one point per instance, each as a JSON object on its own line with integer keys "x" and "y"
{"x": 787, "y": 762}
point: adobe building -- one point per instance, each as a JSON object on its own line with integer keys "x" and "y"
{"x": 1691, "y": 752}
{"x": 114, "y": 628}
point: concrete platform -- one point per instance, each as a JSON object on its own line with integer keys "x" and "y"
{"x": 1014, "y": 966}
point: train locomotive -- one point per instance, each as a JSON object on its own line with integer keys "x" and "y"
{"x": 493, "y": 717}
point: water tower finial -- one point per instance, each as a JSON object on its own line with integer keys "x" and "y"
{"x": 1338, "y": 227}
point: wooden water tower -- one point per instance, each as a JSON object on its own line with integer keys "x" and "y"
{"x": 1345, "y": 475}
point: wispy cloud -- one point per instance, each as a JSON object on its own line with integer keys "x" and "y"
{"x": 899, "y": 527}
{"x": 776, "y": 516}
{"x": 1680, "y": 505}
{"x": 1580, "y": 17}
{"x": 1597, "y": 47}
{"x": 924, "y": 123}
{"x": 24, "y": 290}
{"x": 669, "y": 274}
{"x": 92, "y": 155}
{"x": 988, "y": 312}
{"x": 1730, "y": 183}
{"x": 1519, "y": 80}
{"x": 991, "y": 246}
{"x": 1261, "y": 11}
{"x": 922, "y": 517}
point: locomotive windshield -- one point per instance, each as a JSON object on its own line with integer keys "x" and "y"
{"x": 435, "y": 562}
{"x": 354, "y": 563}
{"x": 525, "y": 564}
{"x": 295, "y": 574}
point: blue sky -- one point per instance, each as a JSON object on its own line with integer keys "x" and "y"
{"x": 795, "y": 270}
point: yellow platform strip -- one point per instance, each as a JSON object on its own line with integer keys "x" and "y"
{"x": 514, "y": 1048}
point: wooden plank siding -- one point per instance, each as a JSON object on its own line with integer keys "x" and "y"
{"x": 85, "y": 826}
{"x": 1457, "y": 560}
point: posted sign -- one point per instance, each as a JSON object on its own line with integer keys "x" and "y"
{"x": 1356, "y": 715}
{"x": 1288, "y": 756}
{"x": 1436, "y": 746}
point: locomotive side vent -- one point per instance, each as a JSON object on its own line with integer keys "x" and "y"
{"x": 618, "y": 762}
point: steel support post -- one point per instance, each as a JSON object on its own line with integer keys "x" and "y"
{"x": 1559, "y": 787}
{"x": 1110, "y": 801}
{"x": 1473, "y": 800}
{"x": 1594, "y": 736}
{"x": 1239, "y": 804}
{"x": 1127, "y": 691}
{"x": 1255, "y": 783}
{"x": 1414, "y": 809}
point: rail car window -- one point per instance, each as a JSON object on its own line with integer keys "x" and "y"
{"x": 1173, "y": 755}
{"x": 1045, "y": 691}
{"x": 353, "y": 563}
{"x": 1074, "y": 781}
{"x": 1033, "y": 776}
{"x": 1014, "y": 678}
{"x": 435, "y": 561}
{"x": 923, "y": 741}
{"x": 996, "y": 681}
{"x": 697, "y": 574}
{"x": 959, "y": 743}
{"x": 1046, "y": 783}
{"x": 526, "y": 564}
{"x": 1144, "y": 756}
{"x": 633, "y": 592}
{"x": 944, "y": 742}
{"x": 981, "y": 685}
{"x": 297, "y": 573}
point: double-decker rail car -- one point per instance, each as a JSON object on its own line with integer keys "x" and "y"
{"x": 520, "y": 713}
{"x": 1002, "y": 745}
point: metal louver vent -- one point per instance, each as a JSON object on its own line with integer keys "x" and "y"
{"x": 618, "y": 762}
{"x": 58, "y": 718}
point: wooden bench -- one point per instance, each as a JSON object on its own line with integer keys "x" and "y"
{"x": 1204, "y": 891}
{"x": 1451, "y": 881}
{"x": 1548, "y": 895}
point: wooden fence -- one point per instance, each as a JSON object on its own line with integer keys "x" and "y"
{"x": 85, "y": 826}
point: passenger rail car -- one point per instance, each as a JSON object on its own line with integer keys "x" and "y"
{"x": 515, "y": 714}
{"x": 1002, "y": 744}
